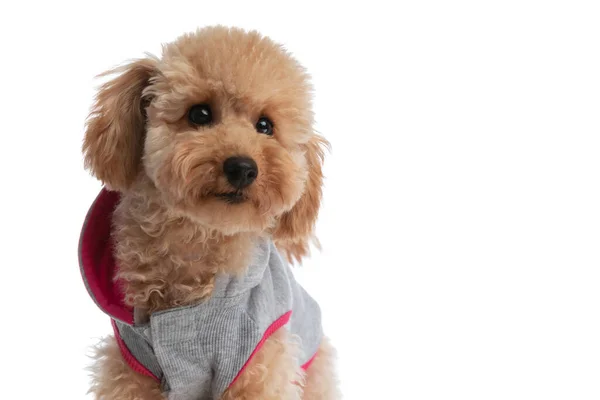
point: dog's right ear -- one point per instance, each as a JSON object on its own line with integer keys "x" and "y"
{"x": 114, "y": 137}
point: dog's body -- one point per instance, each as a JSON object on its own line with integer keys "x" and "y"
{"x": 212, "y": 151}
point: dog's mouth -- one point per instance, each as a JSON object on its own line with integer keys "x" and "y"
{"x": 232, "y": 197}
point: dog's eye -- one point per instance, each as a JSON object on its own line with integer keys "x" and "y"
{"x": 200, "y": 114}
{"x": 264, "y": 125}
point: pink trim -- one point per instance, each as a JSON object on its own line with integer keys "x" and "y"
{"x": 133, "y": 363}
{"x": 279, "y": 322}
{"x": 307, "y": 364}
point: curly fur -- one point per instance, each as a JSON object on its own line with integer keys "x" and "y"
{"x": 321, "y": 381}
{"x": 172, "y": 231}
{"x": 113, "y": 379}
{"x": 273, "y": 374}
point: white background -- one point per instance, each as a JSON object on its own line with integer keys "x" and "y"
{"x": 461, "y": 222}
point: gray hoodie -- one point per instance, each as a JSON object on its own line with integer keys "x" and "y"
{"x": 198, "y": 351}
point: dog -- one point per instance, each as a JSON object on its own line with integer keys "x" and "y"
{"x": 212, "y": 176}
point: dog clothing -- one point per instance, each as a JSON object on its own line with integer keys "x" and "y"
{"x": 198, "y": 351}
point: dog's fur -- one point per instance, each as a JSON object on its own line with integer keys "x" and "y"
{"x": 172, "y": 232}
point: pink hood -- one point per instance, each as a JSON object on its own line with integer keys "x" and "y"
{"x": 96, "y": 259}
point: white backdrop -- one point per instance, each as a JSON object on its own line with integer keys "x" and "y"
{"x": 461, "y": 221}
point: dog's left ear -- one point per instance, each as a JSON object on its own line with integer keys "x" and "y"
{"x": 114, "y": 139}
{"x": 294, "y": 230}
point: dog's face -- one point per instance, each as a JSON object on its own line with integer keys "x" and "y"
{"x": 222, "y": 126}
{"x": 228, "y": 126}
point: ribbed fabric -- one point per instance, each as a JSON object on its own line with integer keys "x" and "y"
{"x": 136, "y": 350}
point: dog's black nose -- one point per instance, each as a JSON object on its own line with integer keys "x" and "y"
{"x": 240, "y": 171}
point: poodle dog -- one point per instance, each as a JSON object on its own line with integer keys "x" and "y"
{"x": 211, "y": 169}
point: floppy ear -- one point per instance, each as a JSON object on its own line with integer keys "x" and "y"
{"x": 113, "y": 142}
{"x": 295, "y": 228}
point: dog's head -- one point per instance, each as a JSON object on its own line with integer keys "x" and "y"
{"x": 222, "y": 126}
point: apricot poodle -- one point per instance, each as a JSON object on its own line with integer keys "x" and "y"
{"x": 211, "y": 169}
